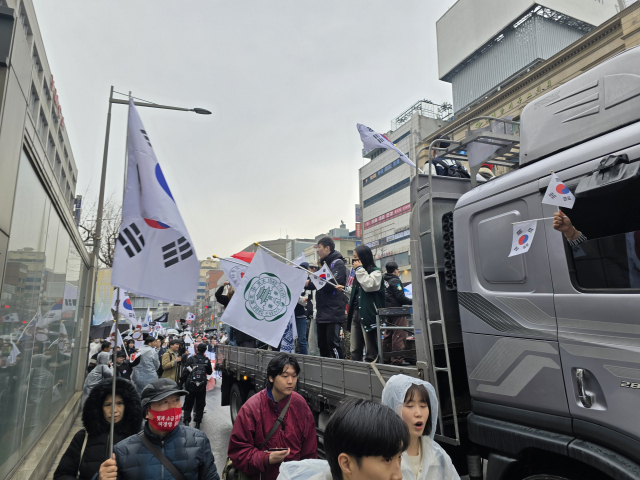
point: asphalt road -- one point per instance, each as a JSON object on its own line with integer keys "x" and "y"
{"x": 216, "y": 423}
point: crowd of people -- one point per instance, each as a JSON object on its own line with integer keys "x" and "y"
{"x": 339, "y": 320}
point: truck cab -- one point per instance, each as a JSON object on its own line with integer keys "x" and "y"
{"x": 552, "y": 337}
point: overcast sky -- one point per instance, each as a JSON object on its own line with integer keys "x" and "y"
{"x": 287, "y": 81}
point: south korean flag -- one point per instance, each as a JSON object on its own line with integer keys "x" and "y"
{"x": 522, "y": 237}
{"x": 154, "y": 255}
{"x": 322, "y": 276}
{"x": 558, "y": 193}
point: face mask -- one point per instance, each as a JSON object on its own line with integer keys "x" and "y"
{"x": 166, "y": 420}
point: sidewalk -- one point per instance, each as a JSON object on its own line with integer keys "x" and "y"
{"x": 77, "y": 425}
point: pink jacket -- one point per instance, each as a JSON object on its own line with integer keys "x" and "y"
{"x": 255, "y": 419}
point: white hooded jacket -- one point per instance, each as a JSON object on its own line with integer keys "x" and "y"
{"x": 436, "y": 464}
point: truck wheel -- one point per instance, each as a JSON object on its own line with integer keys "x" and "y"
{"x": 236, "y": 400}
{"x": 250, "y": 394}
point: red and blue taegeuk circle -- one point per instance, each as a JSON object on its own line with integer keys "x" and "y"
{"x": 523, "y": 239}
{"x": 562, "y": 189}
{"x": 127, "y": 304}
{"x": 163, "y": 184}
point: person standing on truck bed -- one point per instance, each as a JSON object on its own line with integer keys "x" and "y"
{"x": 367, "y": 296}
{"x": 395, "y": 340}
{"x": 330, "y": 301}
{"x": 295, "y": 439}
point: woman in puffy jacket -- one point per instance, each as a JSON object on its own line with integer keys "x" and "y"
{"x": 367, "y": 296}
{"x": 90, "y": 446}
{"x": 416, "y": 403}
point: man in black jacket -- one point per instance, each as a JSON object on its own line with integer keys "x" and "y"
{"x": 123, "y": 368}
{"x": 395, "y": 340}
{"x": 194, "y": 372}
{"x": 330, "y": 302}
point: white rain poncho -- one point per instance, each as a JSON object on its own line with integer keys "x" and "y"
{"x": 436, "y": 464}
{"x": 100, "y": 372}
{"x": 305, "y": 470}
{"x": 147, "y": 370}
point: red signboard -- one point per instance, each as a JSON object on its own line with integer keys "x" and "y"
{"x": 358, "y": 232}
{"x": 387, "y": 216}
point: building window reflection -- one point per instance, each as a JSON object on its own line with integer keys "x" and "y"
{"x": 40, "y": 326}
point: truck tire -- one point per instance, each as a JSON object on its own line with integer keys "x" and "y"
{"x": 250, "y": 394}
{"x": 236, "y": 401}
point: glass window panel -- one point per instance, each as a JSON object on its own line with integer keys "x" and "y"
{"x": 37, "y": 367}
{"x": 26, "y": 265}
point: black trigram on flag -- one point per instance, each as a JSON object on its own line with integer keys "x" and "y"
{"x": 146, "y": 137}
{"x": 133, "y": 241}
{"x": 176, "y": 251}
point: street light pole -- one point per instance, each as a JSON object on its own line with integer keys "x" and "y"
{"x": 94, "y": 257}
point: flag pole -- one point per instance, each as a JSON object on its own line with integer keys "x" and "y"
{"x": 302, "y": 268}
{"x": 114, "y": 360}
{"x": 232, "y": 261}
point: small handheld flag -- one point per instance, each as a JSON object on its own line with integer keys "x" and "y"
{"x": 522, "y": 237}
{"x": 323, "y": 276}
{"x": 234, "y": 270}
{"x": 352, "y": 275}
{"x": 558, "y": 193}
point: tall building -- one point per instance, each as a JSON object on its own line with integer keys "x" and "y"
{"x": 384, "y": 185}
{"x": 485, "y": 45}
{"x": 43, "y": 261}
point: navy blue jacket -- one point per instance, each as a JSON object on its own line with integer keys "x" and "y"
{"x": 187, "y": 448}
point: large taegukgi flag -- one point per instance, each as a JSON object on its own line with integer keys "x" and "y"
{"x": 264, "y": 302}
{"x": 154, "y": 255}
{"x": 372, "y": 139}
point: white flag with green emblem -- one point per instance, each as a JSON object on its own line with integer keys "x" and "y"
{"x": 265, "y": 299}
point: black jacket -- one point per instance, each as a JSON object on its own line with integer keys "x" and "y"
{"x": 395, "y": 292}
{"x": 125, "y": 369}
{"x": 97, "y": 429}
{"x": 187, "y": 448}
{"x": 330, "y": 303}
{"x": 198, "y": 358}
{"x": 220, "y": 298}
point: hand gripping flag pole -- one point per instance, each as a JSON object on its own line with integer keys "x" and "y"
{"x": 302, "y": 268}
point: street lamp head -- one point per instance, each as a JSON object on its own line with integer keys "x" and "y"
{"x": 202, "y": 111}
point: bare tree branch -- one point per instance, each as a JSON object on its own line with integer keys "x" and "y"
{"x": 111, "y": 219}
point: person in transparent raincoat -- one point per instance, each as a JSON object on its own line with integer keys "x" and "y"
{"x": 416, "y": 402}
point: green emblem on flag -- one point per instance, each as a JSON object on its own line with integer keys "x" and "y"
{"x": 266, "y": 297}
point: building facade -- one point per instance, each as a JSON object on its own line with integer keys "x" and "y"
{"x": 44, "y": 264}
{"x": 484, "y": 46}
{"x": 614, "y": 35}
{"x": 384, "y": 188}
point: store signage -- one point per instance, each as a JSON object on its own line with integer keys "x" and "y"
{"x": 54, "y": 93}
{"x": 387, "y": 216}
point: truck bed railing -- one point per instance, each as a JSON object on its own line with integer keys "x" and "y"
{"x": 321, "y": 381}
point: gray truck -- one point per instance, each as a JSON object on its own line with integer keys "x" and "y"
{"x": 535, "y": 357}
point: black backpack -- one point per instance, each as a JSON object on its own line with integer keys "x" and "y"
{"x": 197, "y": 378}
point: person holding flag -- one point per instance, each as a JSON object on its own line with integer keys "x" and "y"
{"x": 330, "y": 302}
{"x": 367, "y": 296}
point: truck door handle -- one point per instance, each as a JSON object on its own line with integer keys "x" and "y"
{"x": 585, "y": 398}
